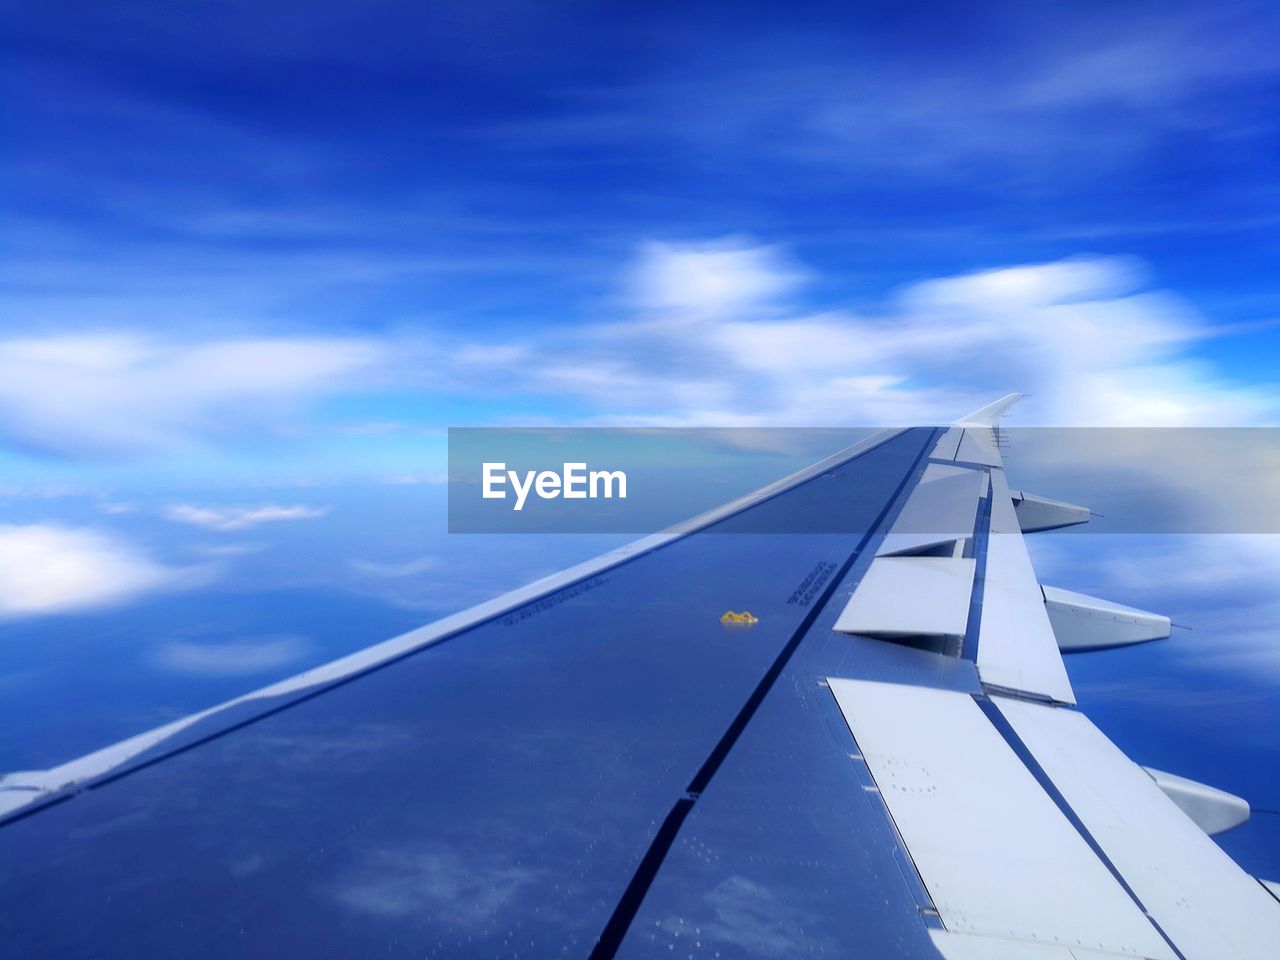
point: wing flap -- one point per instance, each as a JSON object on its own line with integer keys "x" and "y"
{"x": 911, "y": 597}
{"x": 994, "y": 851}
{"x": 1203, "y": 901}
{"x": 960, "y": 946}
{"x": 1017, "y": 648}
{"x": 940, "y": 510}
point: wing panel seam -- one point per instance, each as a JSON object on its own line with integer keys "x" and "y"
{"x": 981, "y": 536}
{"x": 1023, "y": 753}
{"x": 619, "y": 922}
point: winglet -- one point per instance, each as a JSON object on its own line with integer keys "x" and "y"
{"x": 989, "y": 416}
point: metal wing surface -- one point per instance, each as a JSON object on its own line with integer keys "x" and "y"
{"x": 886, "y": 762}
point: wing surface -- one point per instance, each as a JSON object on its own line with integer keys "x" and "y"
{"x": 488, "y": 786}
{"x": 921, "y": 767}
{"x": 887, "y": 762}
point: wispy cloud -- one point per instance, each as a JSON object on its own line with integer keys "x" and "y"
{"x": 239, "y": 518}
{"x": 114, "y": 393}
{"x": 242, "y": 656}
{"x": 117, "y": 508}
{"x": 1089, "y": 336}
{"x": 416, "y": 479}
{"x": 726, "y": 332}
{"x": 712, "y": 279}
{"x": 1078, "y": 97}
{"x": 48, "y": 568}
{"x": 407, "y": 568}
{"x": 220, "y": 550}
{"x": 466, "y": 892}
{"x": 1191, "y": 568}
{"x": 1222, "y": 586}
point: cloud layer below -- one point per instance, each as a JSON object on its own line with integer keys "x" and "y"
{"x": 239, "y": 518}
{"x": 116, "y": 393}
{"x": 48, "y": 568}
{"x": 1223, "y": 587}
{"x": 230, "y": 658}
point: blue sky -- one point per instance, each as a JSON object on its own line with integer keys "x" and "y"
{"x": 458, "y": 213}
{"x": 258, "y": 256}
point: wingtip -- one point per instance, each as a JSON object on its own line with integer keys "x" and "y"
{"x": 989, "y": 416}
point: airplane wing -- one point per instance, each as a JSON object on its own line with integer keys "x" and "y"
{"x": 876, "y": 755}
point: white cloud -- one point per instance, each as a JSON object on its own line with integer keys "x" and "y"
{"x": 715, "y": 278}
{"x": 467, "y": 892}
{"x": 230, "y": 658}
{"x": 116, "y": 508}
{"x": 46, "y": 568}
{"x": 227, "y": 549}
{"x": 408, "y": 568}
{"x": 1189, "y": 568}
{"x": 238, "y": 518}
{"x": 725, "y": 333}
{"x": 1221, "y": 586}
{"x": 416, "y": 479}
{"x": 1088, "y": 337}
{"x": 116, "y": 393}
